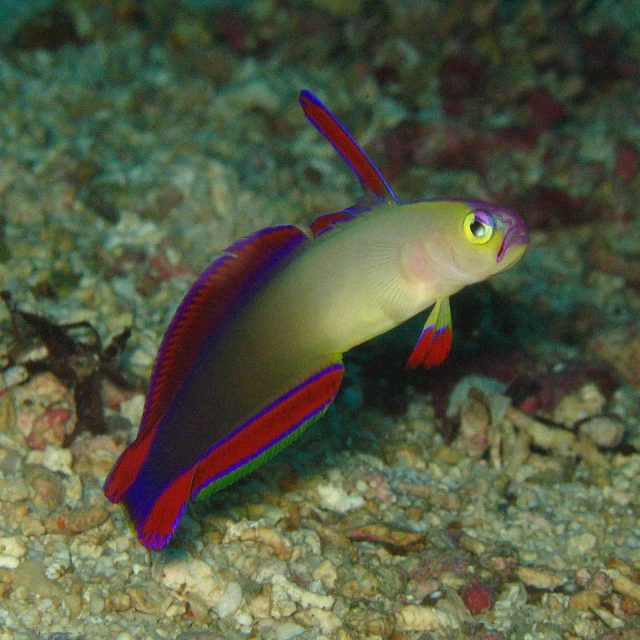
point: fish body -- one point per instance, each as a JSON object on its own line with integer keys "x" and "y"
{"x": 253, "y": 355}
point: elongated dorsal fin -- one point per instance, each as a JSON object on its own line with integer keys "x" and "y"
{"x": 373, "y": 183}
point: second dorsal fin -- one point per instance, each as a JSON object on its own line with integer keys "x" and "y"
{"x": 206, "y": 309}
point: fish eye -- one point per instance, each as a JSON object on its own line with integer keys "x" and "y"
{"x": 479, "y": 227}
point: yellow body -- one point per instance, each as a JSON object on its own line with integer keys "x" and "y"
{"x": 340, "y": 290}
{"x": 368, "y": 276}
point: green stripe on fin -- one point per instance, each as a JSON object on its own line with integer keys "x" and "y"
{"x": 269, "y": 431}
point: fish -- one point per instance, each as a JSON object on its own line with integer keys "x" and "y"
{"x": 253, "y": 355}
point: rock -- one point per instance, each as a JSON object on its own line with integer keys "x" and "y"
{"x": 364, "y": 585}
{"x": 53, "y": 458}
{"x": 47, "y": 485}
{"x": 604, "y": 431}
{"x": 326, "y": 573}
{"x": 335, "y": 498}
{"x": 45, "y": 411}
{"x": 539, "y": 579}
{"x": 472, "y": 544}
{"x": 81, "y": 520}
{"x": 626, "y": 587}
{"x": 197, "y": 635}
{"x": 13, "y": 547}
{"x": 586, "y": 402}
{"x": 478, "y": 597}
{"x": 7, "y": 413}
{"x": 132, "y": 408}
{"x": 269, "y": 536}
{"x": 143, "y": 601}
{"x": 584, "y": 601}
{"x": 395, "y": 541}
{"x": 303, "y": 597}
{"x": 328, "y": 621}
{"x": 118, "y": 602}
{"x": 13, "y": 491}
{"x": 192, "y": 580}
{"x": 254, "y": 94}
{"x": 369, "y": 622}
{"x": 288, "y": 630}
{"x": 417, "y": 618}
{"x": 581, "y": 544}
{"x": 8, "y": 562}
{"x": 230, "y": 600}
{"x": 31, "y": 575}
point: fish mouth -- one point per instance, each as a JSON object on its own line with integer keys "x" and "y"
{"x": 516, "y": 235}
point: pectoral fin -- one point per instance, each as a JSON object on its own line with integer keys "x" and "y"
{"x": 434, "y": 343}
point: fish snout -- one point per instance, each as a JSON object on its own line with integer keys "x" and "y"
{"x": 516, "y": 236}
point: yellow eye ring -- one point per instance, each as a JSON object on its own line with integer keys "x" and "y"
{"x": 479, "y": 227}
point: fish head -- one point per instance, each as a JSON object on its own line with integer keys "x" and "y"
{"x": 497, "y": 231}
{"x": 464, "y": 241}
{"x": 486, "y": 239}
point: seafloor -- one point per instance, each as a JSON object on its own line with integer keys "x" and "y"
{"x": 494, "y": 497}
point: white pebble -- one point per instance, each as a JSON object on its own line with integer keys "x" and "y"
{"x": 326, "y": 573}
{"x": 12, "y": 546}
{"x": 175, "y": 609}
{"x": 8, "y": 562}
{"x": 132, "y": 408}
{"x": 604, "y": 431}
{"x": 288, "y": 630}
{"x": 56, "y": 570}
{"x": 303, "y": 597}
{"x": 53, "y": 458}
{"x": 328, "y": 621}
{"x": 230, "y": 600}
{"x": 418, "y": 618}
{"x": 13, "y": 376}
{"x": 581, "y": 544}
{"x": 334, "y": 498}
{"x": 193, "y": 579}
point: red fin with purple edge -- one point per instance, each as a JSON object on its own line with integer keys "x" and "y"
{"x": 434, "y": 343}
{"x": 333, "y": 130}
{"x": 326, "y": 222}
{"x": 155, "y": 515}
{"x": 220, "y": 290}
{"x": 127, "y": 467}
{"x": 269, "y": 431}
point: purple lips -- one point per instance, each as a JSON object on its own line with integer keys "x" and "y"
{"x": 516, "y": 234}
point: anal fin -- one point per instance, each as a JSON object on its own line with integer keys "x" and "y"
{"x": 269, "y": 431}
